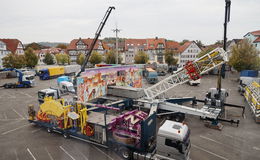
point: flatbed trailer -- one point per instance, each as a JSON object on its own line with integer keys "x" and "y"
{"x": 132, "y": 134}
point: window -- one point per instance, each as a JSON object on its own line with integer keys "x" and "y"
{"x": 171, "y": 143}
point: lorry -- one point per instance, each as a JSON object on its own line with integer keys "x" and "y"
{"x": 51, "y": 72}
{"x": 132, "y": 134}
{"x": 55, "y": 71}
{"x": 65, "y": 84}
{"x": 24, "y": 80}
{"x": 151, "y": 75}
{"x": 56, "y": 93}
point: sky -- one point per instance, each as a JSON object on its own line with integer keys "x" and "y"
{"x": 64, "y": 20}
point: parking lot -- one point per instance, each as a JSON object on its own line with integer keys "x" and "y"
{"x": 21, "y": 140}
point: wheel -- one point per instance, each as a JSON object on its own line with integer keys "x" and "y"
{"x": 49, "y": 130}
{"x": 66, "y": 135}
{"x": 6, "y": 86}
{"x": 12, "y": 86}
{"x": 179, "y": 117}
{"x": 125, "y": 153}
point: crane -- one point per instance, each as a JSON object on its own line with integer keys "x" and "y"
{"x": 24, "y": 81}
{"x": 100, "y": 28}
{"x": 191, "y": 71}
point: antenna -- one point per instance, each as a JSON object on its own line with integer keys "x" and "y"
{"x": 116, "y": 31}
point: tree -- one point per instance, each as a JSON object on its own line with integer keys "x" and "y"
{"x": 205, "y": 51}
{"x": 34, "y": 46}
{"x": 80, "y": 58}
{"x": 110, "y": 57}
{"x": 62, "y": 46}
{"x": 31, "y": 58}
{"x": 14, "y": 61}
{"x": 48, "y": 59}
{"x": 95, "y": 58}
{"x": 219, "y": 42}
{"x": 199, "y": 43}
{"x": 244, "y": 56}
{"x": 62, "y": 58}
{"x": 184, "y": 41}
{"x": 169, "y": 59}
{"x": 141, "y": 58}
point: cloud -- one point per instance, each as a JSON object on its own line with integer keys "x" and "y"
{"x": 63, "y": 20}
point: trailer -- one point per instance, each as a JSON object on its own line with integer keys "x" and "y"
{"x": 252, "y": 96}
{"x": 132, "y": 134}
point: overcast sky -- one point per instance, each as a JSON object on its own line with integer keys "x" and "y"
{"x": 64, "y": 20}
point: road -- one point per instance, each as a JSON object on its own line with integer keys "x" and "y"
{"x": 21, "y": 140}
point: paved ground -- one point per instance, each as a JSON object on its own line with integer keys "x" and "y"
{"x": 21, "y": 140}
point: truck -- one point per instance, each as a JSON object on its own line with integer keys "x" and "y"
{"x": 46, "y": 73}
{"x": 24, "y": 80}
{"x": 56, "y": 93}
{"x": 151, "y": 75}
{"x": 132, "y": 134}
{"x": 51, "y": 72}
{"x": 65, "y": 84}
{"x": 252, "y": 96}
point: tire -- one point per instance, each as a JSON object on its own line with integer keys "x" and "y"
{"x": 179, "y": 117}
{"x": 125, "y": 153}
{"x": 66, "y": 135}
{"x": 12, "y": 86}
{"x": 6, "y": 86}
{"x": 49, "y": 130}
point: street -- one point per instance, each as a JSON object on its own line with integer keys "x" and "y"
{"x": 21, "y": 140}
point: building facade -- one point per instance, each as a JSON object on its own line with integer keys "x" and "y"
{"x": 188, "y": 52}
{"x": 53, "y": 51}
{"x": 254, "y": 38}
{"x": 78, "y": 46}
{"x": 132, "y": 47}
{"x": 7, "y": 46}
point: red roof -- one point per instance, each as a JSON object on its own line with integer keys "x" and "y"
{"x": 172, "y": 45}
{"x": 153, "y": 42}
{"x": 11, "y": 44}
{"x": 257, "y": 39}
{"x": 256, "y": 33}
{"x": 184, "y": 46}
{"x": 73, "y": 44}
{"x": 135, "y": 42}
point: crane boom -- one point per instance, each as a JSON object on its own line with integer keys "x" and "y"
{"x": 97, "y": 34}
{"x": 191, "y": 71}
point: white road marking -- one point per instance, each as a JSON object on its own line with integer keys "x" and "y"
{"x": 31, "y": 153}
{"x": 16, "y": 156}
{"x": 36, "y": 130}
{"x": 5, "y": 116}
{"x": 67, "y": 153}
{"x": 210, "y": 139}
{"x": 256, "y": 148}
{"x": 83, "y": 155}
{"x": 18, "y": 113}
{"x": 103, "y": 152}
{"x": 11, "y": 119}
{"x": 26, "y": 94}
{"x": 48, "y": 153}
{"x": 209, "y": 152}
{"x": 14, "y": 129}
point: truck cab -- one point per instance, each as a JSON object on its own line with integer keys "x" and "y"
{"x": 151, "y": 76}
{"x": 55, "y": 94}
{"x": 66, "y": 87}
{"x": 173, "y": 141}
{"x": 44, "y": 74}
{"x": 49, "y": 92}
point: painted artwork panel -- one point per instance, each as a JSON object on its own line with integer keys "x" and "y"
{"x": 93, "y": 82}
